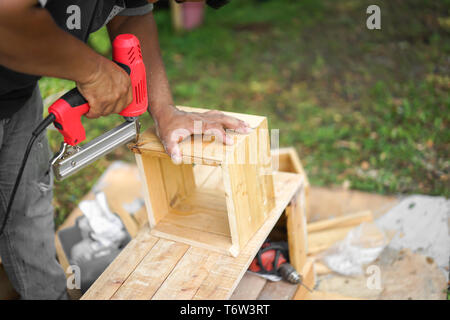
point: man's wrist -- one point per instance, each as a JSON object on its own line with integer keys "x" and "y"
{"x": 90, "y": 70}
{"x": 161, "y": 112}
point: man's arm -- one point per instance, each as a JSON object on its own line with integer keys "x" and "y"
{"x": 167, "y": 117}
{"x": 32, "y": 43}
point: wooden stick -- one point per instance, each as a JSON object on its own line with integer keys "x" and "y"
{"x": 340, "y": 222}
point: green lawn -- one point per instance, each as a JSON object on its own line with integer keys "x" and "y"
{"x": 367, "y": 107}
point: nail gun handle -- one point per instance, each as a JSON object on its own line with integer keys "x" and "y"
{"x": 68, "y": 111}
{"x": 127, "y": 52}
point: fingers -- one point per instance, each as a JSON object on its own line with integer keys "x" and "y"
{"x": 171, "y": 145}
{"x": 230, "y": 122}
{"x": 213, "y": 123}
{"x": 109, "y": 93}
{"x": 217, "y": 130}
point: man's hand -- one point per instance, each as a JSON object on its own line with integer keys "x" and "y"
{"x": 107, "y": 91}
{"x": 174, "y": 125}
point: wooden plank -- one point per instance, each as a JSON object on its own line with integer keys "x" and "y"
{"x": 249, "y": 287}
{"x": 227, "y": 271}
{"x": 296, "y": 230}
{"x": 231, "y": 209}
{"x": 321, "y": 269}
{"x": 287, "y": 160}
{"x": 188, "y": 178}
{"x": 215, "y": 242}
{"x": 184, "y": 281}
{"x": 202, "y": 173}
{"x": 152, "y": 271}
{"x": 322, "y": 240}
{"x": 349, "y": 220}
{"x": 154, "y": 188}
{"x": 249, "y": 184}
{"x": 242, "y": 213}
{"x": 265, "y": 167}
{"x": 309, "y": 280}
{"x": 124, "y": 264}
{"x": 280, "y": 290}
{"x": 178, "y": 180}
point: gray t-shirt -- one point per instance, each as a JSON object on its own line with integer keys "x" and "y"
{"x": 77, "y": 17}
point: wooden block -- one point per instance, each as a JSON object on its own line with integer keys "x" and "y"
{"x": 322, "y": 240}
{"x": 349, "y": 220}
{"x": 287, "y": 160}
{"x": 230, "y": 203}
{"x": 296, "y": 230}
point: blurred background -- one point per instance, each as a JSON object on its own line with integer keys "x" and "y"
{"x": 367, "y": 109}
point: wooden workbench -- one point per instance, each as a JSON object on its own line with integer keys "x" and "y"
{"x": 154, "y": 268}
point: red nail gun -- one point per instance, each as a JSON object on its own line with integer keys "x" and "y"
{"x": 71, "y": 106}
{"x": 66, "y": 114}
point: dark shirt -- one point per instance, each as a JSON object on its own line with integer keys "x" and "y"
{"x": 78, "y": 17}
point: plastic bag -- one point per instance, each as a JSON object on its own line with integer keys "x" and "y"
{"x": 361, "y": 246}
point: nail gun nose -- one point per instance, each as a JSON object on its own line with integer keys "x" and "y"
{"x": 130, "y": 119}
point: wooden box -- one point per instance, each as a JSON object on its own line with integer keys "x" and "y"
{"x": 184, "y": 205}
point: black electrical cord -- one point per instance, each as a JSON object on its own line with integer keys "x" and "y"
{"x": 39, "y": 129}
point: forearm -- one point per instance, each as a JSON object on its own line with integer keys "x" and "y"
{"x": 144, "y": 28}
{"x": 32, "y": 43}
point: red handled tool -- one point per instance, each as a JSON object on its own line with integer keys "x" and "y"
{"x": 71, "y": 106}
{"x": 68, "y": 110}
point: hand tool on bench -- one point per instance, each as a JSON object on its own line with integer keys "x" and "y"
{"x": 272, "y": 259}
{"x": 66, "y": 115}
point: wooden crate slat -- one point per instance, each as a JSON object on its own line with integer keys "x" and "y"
{"x": 152, "y": 271}
{"x": 124, "y": 264}
{"x": 207, "y": 240}
{"x": 184, "y": 280}
{"x": 154, "y": 190}
{"x": 296, "y": 229}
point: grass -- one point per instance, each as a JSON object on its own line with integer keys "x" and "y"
{"x": 366, "y": 108}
